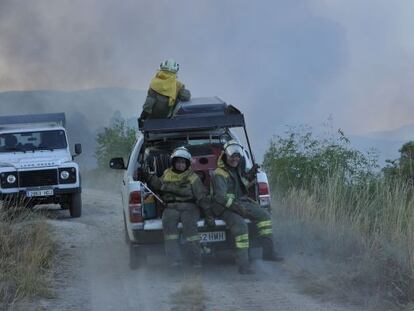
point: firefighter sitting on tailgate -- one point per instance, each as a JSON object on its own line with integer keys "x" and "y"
{"x": 164, "y": 93}
{"x": 183, "y": 192}
{"x": 232, "y": 204}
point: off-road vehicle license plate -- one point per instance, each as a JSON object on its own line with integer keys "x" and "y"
{"x": 39, "y": 193}
{"x": 217, "y": 236}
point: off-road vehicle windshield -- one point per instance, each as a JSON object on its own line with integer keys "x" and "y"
{"x": 31, "y": 141}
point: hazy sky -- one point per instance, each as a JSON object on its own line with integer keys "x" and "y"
{"x": 281, "y": 61}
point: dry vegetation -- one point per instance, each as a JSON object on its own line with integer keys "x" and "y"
{"x": 26, "y": 254}
{"x": 348, "y": 224}
{"x": 365, "y": 234}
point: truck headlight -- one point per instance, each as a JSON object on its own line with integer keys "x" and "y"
{"x": 64, "y": 175}
{"x": 11, "y": 179}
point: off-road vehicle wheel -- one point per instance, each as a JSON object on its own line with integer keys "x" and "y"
{"x": 75, "y": 205}
{"x": 126, "y": 236}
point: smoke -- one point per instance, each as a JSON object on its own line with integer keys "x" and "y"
{"x": 282, "y": 62}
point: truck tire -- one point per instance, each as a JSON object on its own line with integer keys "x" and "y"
{"x": 75, "y": 205}
{"x": 126, "y": 236}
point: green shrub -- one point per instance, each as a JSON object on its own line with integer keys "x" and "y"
{"x": 116, "y": 140}
{"x": 299, "y": 159}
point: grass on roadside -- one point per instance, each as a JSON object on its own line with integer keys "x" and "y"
{"x": 26, "y": 253}
{"x": 365, "y": 233}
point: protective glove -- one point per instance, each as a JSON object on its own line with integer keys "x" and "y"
{"x": 143, "y": 175}
{"x": 210, "y": 222}
{"x": 209, "y": 218}
{"x": 251, "y": 174}
{"x": 140, "y": 123}
{"x": 142, "y": 118}
{"x": 254, "y": 169}
{"x": 238, "y": 208}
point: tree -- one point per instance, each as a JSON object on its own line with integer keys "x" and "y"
{"x": 116, "y": 140}
{"x": 407, "y": 161}
{"x": 402, "y": 167}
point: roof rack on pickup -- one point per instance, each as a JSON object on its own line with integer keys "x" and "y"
{"x": 206, "y": 113}
{"x": 46, "y": 118}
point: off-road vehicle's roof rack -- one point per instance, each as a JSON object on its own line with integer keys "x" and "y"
{"x": 55, "y": 119}
{"x": 199, "y": 114}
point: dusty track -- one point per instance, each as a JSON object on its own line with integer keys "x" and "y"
{"x": 92, "y": 273}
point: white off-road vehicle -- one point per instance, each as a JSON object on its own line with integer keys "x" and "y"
{"x": 36, "y": 165}
{"x": 203, "y": 126}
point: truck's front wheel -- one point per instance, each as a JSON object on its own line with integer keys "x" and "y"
{"x": 75, "y": 205}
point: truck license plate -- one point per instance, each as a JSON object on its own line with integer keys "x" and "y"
{"x": 216, "y": 236}
{"x": 39, "y": 193}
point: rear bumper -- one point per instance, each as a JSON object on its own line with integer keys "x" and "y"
{"x": 153, "y": 234}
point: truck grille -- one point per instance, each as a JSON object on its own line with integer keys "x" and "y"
{"x": 38, "y": 178}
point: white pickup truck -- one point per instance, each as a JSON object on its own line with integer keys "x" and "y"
{"x": 36, "y": 165}
{"x": 203, "y": 126}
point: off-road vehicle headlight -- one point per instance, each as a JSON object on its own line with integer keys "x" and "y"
{"x": 64, "y": 175}
{"x": 67, "y": 175}
{"x": 11, "y": 179}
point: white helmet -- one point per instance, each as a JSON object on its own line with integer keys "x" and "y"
{"x": 181, "y": 152}
{"x": 232, "y": 147}
{"x": 170, "y": 65}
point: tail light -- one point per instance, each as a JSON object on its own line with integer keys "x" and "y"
{"x": 135, "y": 207}
{"x": 263, "y": 188}
{"x": 264, "y": 194}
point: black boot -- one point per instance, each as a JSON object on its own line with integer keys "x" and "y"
{"x": 269, "y": 253}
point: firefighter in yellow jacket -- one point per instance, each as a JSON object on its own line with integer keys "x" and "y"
{"x": 184, "y": 193}
{"x": 164, "y": 93}
{"x": 232, "y": 204}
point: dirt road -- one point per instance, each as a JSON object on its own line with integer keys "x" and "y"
{"x": 92, "y": 273}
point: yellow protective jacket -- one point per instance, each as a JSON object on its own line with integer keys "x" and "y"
{"x": 181, "y": 187}
{"x": 164, "y": 93}
{"x": 228, "y": 186}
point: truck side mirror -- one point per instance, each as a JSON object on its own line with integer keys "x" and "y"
{"x": 78, "y": 149}
{"x": 117, "y": 163}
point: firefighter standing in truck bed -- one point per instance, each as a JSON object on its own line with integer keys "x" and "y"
{"x": 184, "y": 193}
{"x": 232, "y": 204}
{"x": 164, "y": 93}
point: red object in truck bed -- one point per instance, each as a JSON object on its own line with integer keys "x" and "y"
{"x": 203, "y": 166}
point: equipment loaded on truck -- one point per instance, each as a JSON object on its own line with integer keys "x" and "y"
{"x": 36, "y": 166}
{"x": 203, "y": 126}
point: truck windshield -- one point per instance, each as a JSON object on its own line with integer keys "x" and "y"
{"x": 31, "y": 141}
